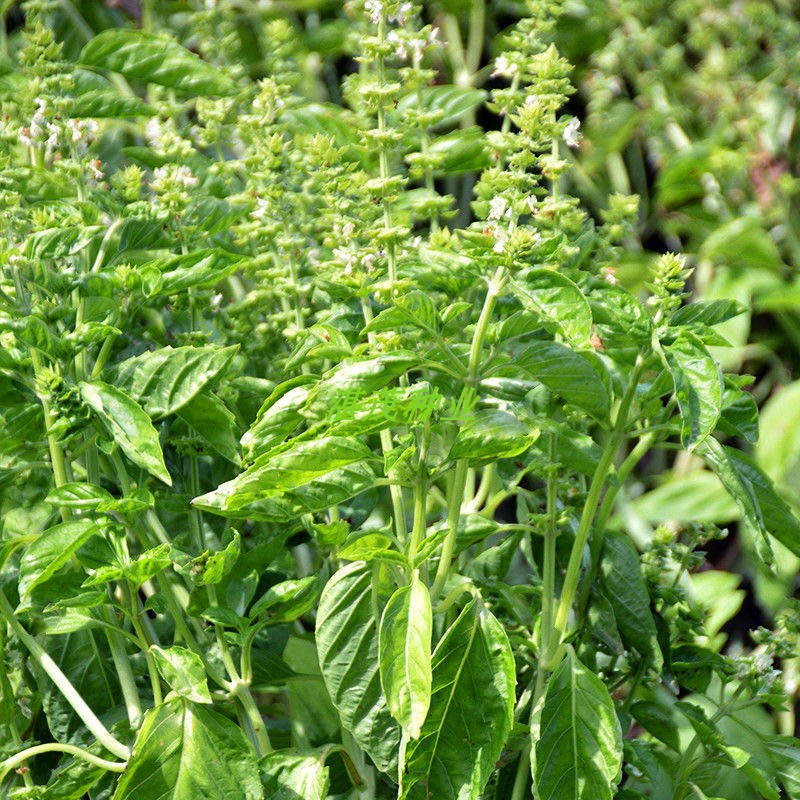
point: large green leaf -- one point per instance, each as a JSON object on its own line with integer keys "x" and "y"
{"x": 213, "y": 421}
{"x": 492, "y": 434}
{"x": 129, "y": 425}
{"x": 183, "y": 670}
{"x": 165, "y": 380}
{"x": 754, "y": 493}
{"x": 578, "y": 754}
{"x": 51, "y": 551}
{"x": 405, "y": 655}
{"x": 154, "y": 59}
{"x": 186, "y": 751}
{"x": 295, "y": 776}
{"x": 347, "y": 641}
{"x": 471, "y": 712}
{"x": 559, "y": 302}
{"x": 274, "y": 474}
{"x": 698, "y": 387}
{"x": 323, "y": 492}
{"x": 276, "y": 419}
{"x": 626, "y": 590}
{"x": 573, "y": 376}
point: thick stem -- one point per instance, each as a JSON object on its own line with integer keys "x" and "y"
{"x": 587, "y": 517}
{"x": 70, "y": 693}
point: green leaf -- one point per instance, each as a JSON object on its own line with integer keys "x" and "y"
{"x": 347, "y": 641}
{"x": 51, "y": 551}
{"x": 784, "y": 753}
{"x": 623, "y": 324}
{"x": 739, "y": 416}
{"x": 463, "y": 150}
{"x": 302, "y": 774}
{"x": 492, "y": 434}
{"x": 320, "y": 494}
{"x": 626, "y": 590}
{"x": 276, "y": 419}
{"x": 287, "y": 601}
{"x": 405, "y": 655}
{"x": 273, "y": 474}
{"x": 141, "y": 569}
{"x": 154, "y": 59}
{"x": 214, "y": 423}
{"x": 742, "y": 242}
{"x": 698, "y": 387}
{"x": 83, "y": 656}
{"x": 185, "y": 751}
{"x": 210, "y": 568}
{"x": 656, "y": 719}
{"x": 165, "y": 380}
{"x": 129, "y": 426}
{"x": 78, "y": 495}
{"x": 707, "y": 312}
{"x": 754, "y": 493}
{"x": 295, "y": 776}
{"x": 559, "y": 302}
{"x": 358, "y": 378}
{"x": 471, "y": 711}
{"x": 198, "y": 270}
{"x": 183, "y": 671}
{"x": 573, "y": 376}
{"x": 102, "y": 103}
{"x": 578, "y": 755}
{"x": 449, "y": 103}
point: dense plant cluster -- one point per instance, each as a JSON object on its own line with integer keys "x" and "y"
{"x": 372, "y": 401}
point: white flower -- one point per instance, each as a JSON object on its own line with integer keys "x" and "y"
{"x": 153, "y": 132}
{"x": 347, "y": 230}
{"x": 375, "y": 9}
{"x": 183, "y": 175}
{"x": 531, "y": 202}
{"x": 572, "y": 132}
{"x": 532, "y": 100}
{"x": 52, "y": 139}
{"x": 400, "y": 16}
{"x": 261, "y": 209}
{"x": 399, "y": 45}
{"x": 25, "y": 137}
{"x": 505, "y": 68}
{"x": 497, "y": 207}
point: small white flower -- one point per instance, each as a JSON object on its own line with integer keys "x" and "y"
{"x": 505, "y": 68}
{"x": 375, "y": 9}
{"x": 497, "y": 207}
{"x": 532, "y": 100}
{"x": 260, "y": 210}
{"x": 153, "y": 133}
{"x": 400, "y": 49}
{"x": 532, "y": 203}
{"x": 433, "y": 35}
{"x": 400, "y": 16}
{"x": 347, "y": 230}
{"x": 418, "y": 48}
{"x": 216, "y": 302}
{"x": 52, "y": 139}
{"x": 183, "y": 175}
{"x": 610, "y": 276}
{"x": 572, "y": 132}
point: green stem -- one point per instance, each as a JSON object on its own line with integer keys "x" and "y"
{"x": 124, "y": 672}
{"x": 70, "y": 693}
{"x": 57, "y": 460}
{"x": 456, "y": 493}
{"x": 256, "y": 722}
{"x": 549, "y": 560}
{"x": 56, "y": 747}
{"x": 587, "y": 517}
